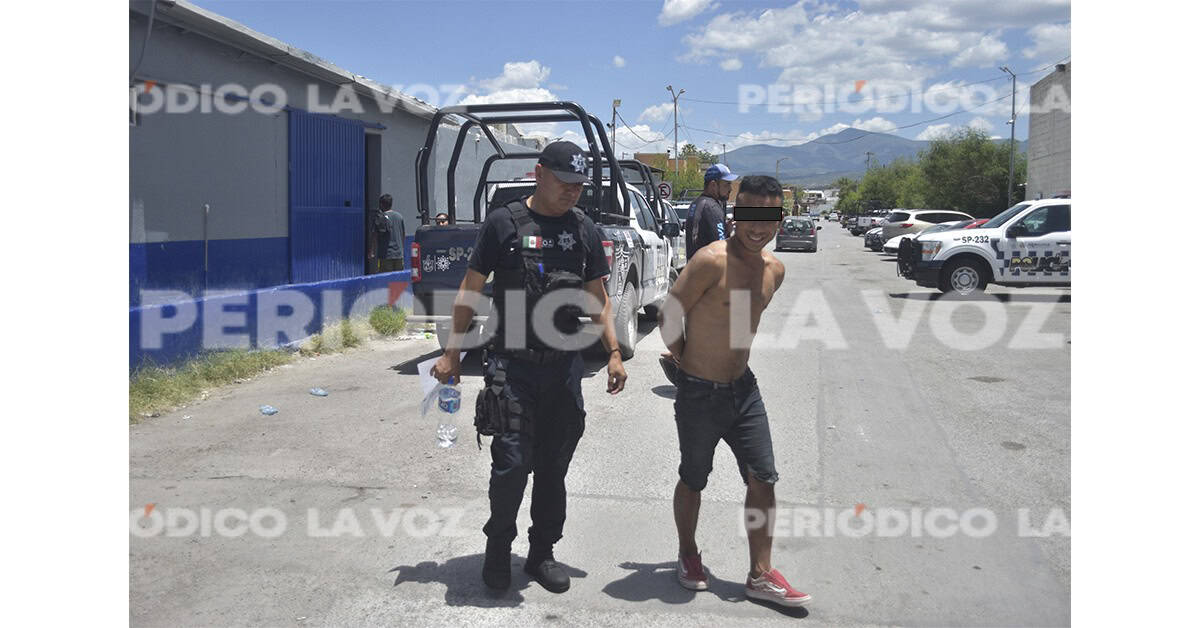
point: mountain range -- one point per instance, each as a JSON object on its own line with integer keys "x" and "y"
{"x": 821, "y": 161}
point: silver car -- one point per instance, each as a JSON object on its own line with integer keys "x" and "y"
{"x": 798, "y": 234}
{"x": 906, "y": 221}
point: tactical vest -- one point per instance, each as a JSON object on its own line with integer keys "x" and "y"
{"x": 524, "y": 270}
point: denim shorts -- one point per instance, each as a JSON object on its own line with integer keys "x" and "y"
{"x": 707, "y": 412}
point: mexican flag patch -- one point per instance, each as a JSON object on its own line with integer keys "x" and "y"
{"x": 531, "y": 242}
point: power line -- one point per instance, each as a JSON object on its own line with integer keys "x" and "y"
{"x": 814, "y": 141}
{"x": 622, "y": 119}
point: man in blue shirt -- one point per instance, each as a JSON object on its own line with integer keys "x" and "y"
{"x": 706, "y": 216}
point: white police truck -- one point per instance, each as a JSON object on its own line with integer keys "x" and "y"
{"x": 1026, "y": 245}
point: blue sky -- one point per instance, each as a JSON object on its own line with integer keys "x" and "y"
{"x": 815, "y": 54}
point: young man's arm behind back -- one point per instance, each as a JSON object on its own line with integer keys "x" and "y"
{"x": 701, "y": 273}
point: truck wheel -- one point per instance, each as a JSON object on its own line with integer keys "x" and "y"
{"x": 651, "y": 311}
{"x": 626, "y": 322}
{"x": 964, "y": 277}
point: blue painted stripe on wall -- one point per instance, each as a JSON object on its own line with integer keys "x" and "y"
{"x": 239, "y": 264}
{"x": 240, "y": 313}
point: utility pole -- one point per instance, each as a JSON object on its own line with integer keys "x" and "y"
{"x": 616, "y": 103}
{"x": 1012, "y": 136}
{"x": 777, "y": 162}
{"x": 869, "y": 156}
{"x": 675, "y": 101}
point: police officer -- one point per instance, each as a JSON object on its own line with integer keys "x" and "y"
{"x": 534, "y": 246}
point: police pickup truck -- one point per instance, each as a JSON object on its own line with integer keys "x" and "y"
{"x": 634, "y": 241}
{"x": 1026, "y": 245}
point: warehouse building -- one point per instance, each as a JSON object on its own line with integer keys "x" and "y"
{"x": 1049, "y": 148}
{"x": 256, "y": 164}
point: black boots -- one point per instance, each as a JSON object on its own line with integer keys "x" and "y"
{"x": 497, "y": 573}
{"x": 551, "y": 575}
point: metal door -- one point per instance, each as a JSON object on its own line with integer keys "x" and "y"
{"x": 325, "y": 197}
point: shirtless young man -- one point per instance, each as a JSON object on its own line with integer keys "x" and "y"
{"x": 716, "y": 393}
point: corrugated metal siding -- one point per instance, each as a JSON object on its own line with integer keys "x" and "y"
{"x": 325, "y": 199}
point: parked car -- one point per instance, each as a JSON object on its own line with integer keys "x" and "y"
{"x": 905, "y": 221}
{"x": 797, "y": 233}
{"x": 866, "y": 222}
{"x": 873, "y": 239}
{"x": 891, "y": 247}
{"x": 1026, "y": 245}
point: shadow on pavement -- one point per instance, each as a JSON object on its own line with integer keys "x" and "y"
{"x": 464, "y": 584}
{"x": 471, "y": 364}
{"x": 656, "y": 581}
{"x": 1003, "y": 297}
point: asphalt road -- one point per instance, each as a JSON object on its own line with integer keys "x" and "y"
{"x": 881, "y": 413}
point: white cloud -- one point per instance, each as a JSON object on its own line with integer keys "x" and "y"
{"x": 517, "y": 74}
{"x": 981, "y": 124}
{"x": 1051, "y": 42}
{"x": 676, "y": 11}
{"x": 986, "y": 99}
{"x": 520, "y": 81}
{"x": 618, "y": 61}
{"x": 773, "y": 138}
{"x": 882, "y": 40}
{"x": 935, "y": 131}
{"x": 875, "y": 125}
{"x": 731, "y": 64}
{"x": 656, "y": 113}
{"x": 986, "y": 53}
{"x": 535, "y": 94}
{"x": 969, "y": 14}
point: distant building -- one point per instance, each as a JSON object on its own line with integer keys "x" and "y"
{"x": 1049, "y": 148}
{"x": 664, "y": 161}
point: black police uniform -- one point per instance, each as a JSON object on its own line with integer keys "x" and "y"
{"x": 540, "y": 387}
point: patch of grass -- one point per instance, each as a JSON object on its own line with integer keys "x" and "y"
{"x": 345, "y": 334}
{"x": 388, "y": 321}
{"x": 157, "y": 389}
{"x": 350, "y": 337}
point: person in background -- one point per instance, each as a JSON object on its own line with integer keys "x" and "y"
{"x": 392, "y": 258}
{"x": 706, "y": 217}
{"x": 441, "y": 219}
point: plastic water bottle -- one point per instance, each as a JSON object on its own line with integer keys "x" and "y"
{"x": 449, "y": 398}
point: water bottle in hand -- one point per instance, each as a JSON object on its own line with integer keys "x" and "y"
{"x": 449, "y": 399}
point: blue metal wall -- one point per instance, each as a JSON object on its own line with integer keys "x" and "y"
{"x": 325, "y": 196}
{"x": 240, "y": 312}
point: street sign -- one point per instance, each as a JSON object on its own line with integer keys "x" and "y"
{"x": 664, "y": 190}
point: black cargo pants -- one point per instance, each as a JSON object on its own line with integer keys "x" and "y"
{"x": 551, "y": 401}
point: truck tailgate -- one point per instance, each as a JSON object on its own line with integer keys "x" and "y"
{"x": 443, "y": 254}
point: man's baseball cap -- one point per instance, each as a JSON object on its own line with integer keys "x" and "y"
{"x": 719, "y": 172}
{"x": 567, "y": 161}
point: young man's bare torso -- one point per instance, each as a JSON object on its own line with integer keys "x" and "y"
{"x": 724, "y": 283}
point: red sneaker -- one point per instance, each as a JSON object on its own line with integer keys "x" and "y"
{"x": 772, "y": 587}
{"x": 691, "y": 574}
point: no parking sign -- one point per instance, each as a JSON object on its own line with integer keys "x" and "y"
{"x": 664, "y": 190}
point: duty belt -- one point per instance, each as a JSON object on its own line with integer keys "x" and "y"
{"x": 544, "y": 356}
